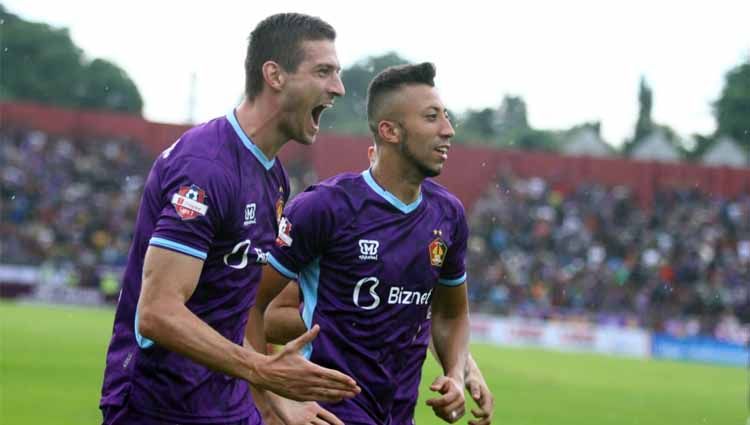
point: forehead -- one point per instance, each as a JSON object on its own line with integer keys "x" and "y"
{"x": 319, "y": 52}
{"x": 416, "y": 98}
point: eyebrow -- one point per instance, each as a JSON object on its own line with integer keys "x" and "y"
{"x": 437, "y": 109}
{"x": 328, "y": 66}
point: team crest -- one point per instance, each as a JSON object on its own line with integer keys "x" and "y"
{"x": 437, "y": 249}
{"x": 190, "y": 202}
{"x": 279, "y": 209}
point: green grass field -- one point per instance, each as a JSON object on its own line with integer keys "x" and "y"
{"x": 52, "y": 360}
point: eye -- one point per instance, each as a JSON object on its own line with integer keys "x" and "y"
{"x": 431, "y": 117}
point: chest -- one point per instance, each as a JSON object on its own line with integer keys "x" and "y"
{"x": 406, "y": 249}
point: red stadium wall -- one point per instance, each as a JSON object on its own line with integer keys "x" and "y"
{"x": 468, "y": 172}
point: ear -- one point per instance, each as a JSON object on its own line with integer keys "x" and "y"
{"x": 389, "y": 131}
{"x": 273, "y": 75}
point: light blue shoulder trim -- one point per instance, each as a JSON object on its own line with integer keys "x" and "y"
{"x": 280, "y": 267}
{"x": 176, "y": 246}
{"x": 406, "y": 209}
{"x": 453, "y": 282}
{"x": 309, "y": 281}
{"x": 259, "y": 155}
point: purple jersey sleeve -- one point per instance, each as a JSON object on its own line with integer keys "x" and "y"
{"x": 194, "y": 202}
{"x": 453, "y": 272}
{"x": 304, "y": 231}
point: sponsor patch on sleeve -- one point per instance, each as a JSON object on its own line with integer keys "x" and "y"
{"x": 285, "y": 233}
{"x": 190, "y": 202}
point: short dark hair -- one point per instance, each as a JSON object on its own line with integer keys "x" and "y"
{"x": 390, "y": 80}
{"x": 279, "y": 38}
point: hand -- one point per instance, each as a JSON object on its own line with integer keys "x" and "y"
{"x": 480, "y": 392}
{"x": 450, "y": 405}
{"x": 290, "y": 375}
{"x": 306, "y": 413}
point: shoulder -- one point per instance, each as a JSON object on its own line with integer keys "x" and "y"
{"x": 437, "y": 195}
{"x": 205, "y": 141}
{"x": 335, "y": 195}
{"x": 200, "y": 152}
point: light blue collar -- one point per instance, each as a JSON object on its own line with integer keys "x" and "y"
{"x": 388, "y": 196}
{"x": 259, "y": 155}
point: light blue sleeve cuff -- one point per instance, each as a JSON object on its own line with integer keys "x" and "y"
{"x": 141, "y": 340}
{"x": 453, "y": 282}
{"x": 280, "y": 267}
{"x": 176, "y": 246}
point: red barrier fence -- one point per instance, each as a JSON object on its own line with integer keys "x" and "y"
{"x": 468, "y": 172}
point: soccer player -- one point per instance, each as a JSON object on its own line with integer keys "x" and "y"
{"x": 283, "y": 323}
{"x": 208, "y": 216}
{"x": 374, "y": 251}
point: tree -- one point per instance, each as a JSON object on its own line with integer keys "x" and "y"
{"x": 644, "y": 125}
{"x": 350, "y": 113}
{"x": 732, "y": 110}
{"x": 41, "y": 63}
{"x": 105, "y": 85}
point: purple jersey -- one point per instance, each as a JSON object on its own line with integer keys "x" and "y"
{"x": 405, "y": 400}
{"x": 212, "y": 195}
{"x": 367, "y": 265}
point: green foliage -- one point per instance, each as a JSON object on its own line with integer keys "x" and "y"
{"x": 349, "y": 116}
{"x": 733, "y": 107}
{"x": 42, "y": 64}
{"x": 645, "y": 124}
{"x": 105, "y": 85}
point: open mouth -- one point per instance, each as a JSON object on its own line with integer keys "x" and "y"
{"x": 317, "y": 112}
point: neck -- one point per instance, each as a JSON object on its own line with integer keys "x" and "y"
{"x": 260, "y": 119}
{"x": 398, "y": 177}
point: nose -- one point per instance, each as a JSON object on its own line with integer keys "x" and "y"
{"x": 336, "y": 87}
{"x": 446, "y": 130}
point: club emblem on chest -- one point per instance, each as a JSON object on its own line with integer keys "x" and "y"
{"x": 437, "y": 249}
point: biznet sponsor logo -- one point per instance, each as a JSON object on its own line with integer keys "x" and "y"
{"x": 366, "y": 297}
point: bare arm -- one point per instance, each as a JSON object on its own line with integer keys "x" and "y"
{"x": 282, "y": 320}
{"x": 169, "y": 279}
{"x": 450, "y": 335}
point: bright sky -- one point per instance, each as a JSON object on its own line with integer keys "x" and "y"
{"x": 572, "y": 61}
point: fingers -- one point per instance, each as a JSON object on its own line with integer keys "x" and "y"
{"x": 334, "y": 379}
{"x": 328, "y": 417}
{"x": 450, "y": 416}
{"x": 484, "y": 421}
{"x": 302, "y": 340}
{"x": 475, "y": 390}
{"x": 479, "y": 413}
{"x": 445, "y": 400}
{"x": 439, "y": 383}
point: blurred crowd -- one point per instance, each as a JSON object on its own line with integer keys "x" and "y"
{"x": 68, "y": 204}
{"x": 682, "y": 266}
{"x": 593, "y": 255}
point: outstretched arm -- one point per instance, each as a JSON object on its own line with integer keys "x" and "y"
{"x": 169, "y": 279}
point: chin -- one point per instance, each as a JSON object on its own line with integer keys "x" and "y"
{"x": 305, "y": 140}
{"x": 432, "y": 172}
